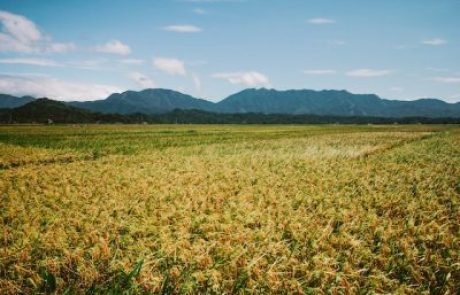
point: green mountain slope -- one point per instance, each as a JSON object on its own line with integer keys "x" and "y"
{"x": 10, "y": 101}
{"x": 332, "y": 102}
{"x": 150, "y": 101}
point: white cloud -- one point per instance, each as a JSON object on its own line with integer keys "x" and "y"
{"x": 397, "y": 89}
{"x": 19, "y": 34}
{"x": 61, "y": 47}
{"x": 320, "y": 72}
{"x": 132, "y": 61}
{"x": 434, "y": 42}
{"x": 114, "y": 47}
{"x": 197, "y": 82}
{"x": 44, "y": 86}
{"x": 251, "y": 78}
{"x": 141, "y": 80}
{"x": 183, "y": 29}
{"x": 171, "y": 66}
{"x": 433, "y": 69}
{"x": 8, "y": 43}
{"x": 449, "y": 79}
{"x": 454, "y": 98}
{"x": 367, "y": 73}
{"x": 199, "y": 11}
{"x": 90, "y": 64}
{"x": 30, "y": 61}
{"x": 321, "y": 21}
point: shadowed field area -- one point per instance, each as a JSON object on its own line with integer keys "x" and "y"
{"x": 230, "y": 209}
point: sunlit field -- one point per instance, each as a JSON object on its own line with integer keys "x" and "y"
{"x": 230, "y": 209}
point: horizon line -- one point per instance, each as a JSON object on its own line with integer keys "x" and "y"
{"x": 245, "y": 89}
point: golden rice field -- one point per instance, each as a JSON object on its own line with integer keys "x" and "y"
{"x": 196, "y": 209}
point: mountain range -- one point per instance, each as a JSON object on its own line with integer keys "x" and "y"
{"x": 264, "y": 101}
{"x": 9, "y": 101}
{"x": 45, "y": 110}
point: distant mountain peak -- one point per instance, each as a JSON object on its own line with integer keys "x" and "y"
{"x": 9, "y": 101}
{"x": 149, "y": 101}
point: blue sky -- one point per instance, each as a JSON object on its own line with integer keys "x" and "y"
{"x": 84, "y": 50}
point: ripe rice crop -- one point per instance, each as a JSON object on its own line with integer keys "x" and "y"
{"x": 230, "y": 209}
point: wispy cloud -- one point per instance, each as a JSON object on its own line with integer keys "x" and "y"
{"x": 132, "y": 61}
{"x": 172, "y": 66}
{"x": 44, "y": 86}
{"x": 199, "y": 11}
{"x": 251, "y": 78}
{"x": 320, "y": 72}
{"x": 90, "y": 64}
{"x": 114, "y": 47}
{"x": 60, "y": 47}
{"x": 454, "y": 97}
{"x": 439, "y": 70}
{"x": 142, "y": 80}
{"x": 183, "y": 29}
{"x": 196, "y": 82}
{"x": 19, "y": 34}
{"x": 30, "y": 61}
{"x": 398, "y": 89}
{"x": 448, "y": 79}
{"x": 434, "y": 42}
{"x": 367, "y": 73}
{"x": 321, "y": 21}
